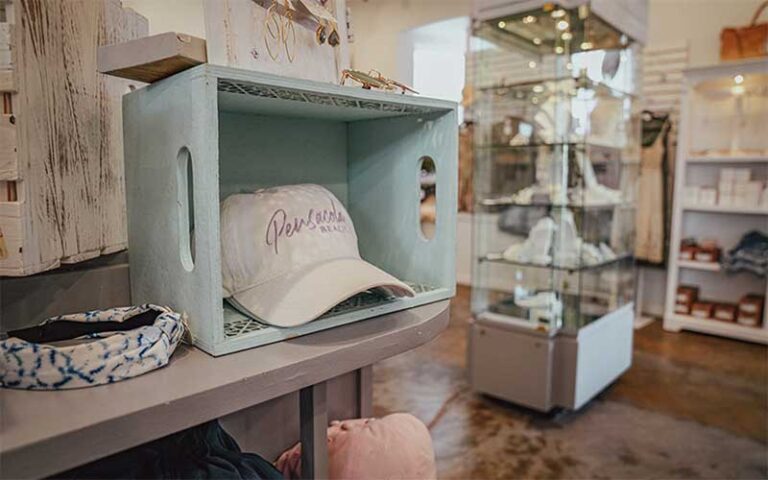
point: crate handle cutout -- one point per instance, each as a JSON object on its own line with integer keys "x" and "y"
{"x": 427, "y": 197}
{"x": 185, "y": 203}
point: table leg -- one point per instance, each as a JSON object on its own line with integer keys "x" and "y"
{"x": 365, "y": 392}
{"x": 313, "y": 411}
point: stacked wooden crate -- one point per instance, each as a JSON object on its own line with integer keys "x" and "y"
{"x": 62, "y": 194}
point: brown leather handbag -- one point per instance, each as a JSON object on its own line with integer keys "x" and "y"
{"x": 745, "y": 42}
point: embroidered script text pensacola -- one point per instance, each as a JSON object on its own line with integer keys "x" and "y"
{"x": 326, "y": 220}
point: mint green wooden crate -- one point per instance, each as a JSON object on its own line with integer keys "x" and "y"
{"x": 195, "y": 138}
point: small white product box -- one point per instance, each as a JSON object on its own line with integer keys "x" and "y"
{"x": 727, "y": 175}
{"x": 752, "y": 193}
{"x": 707, "y": 196}
{"x": 742, "y": 175}
{"x": 725, "y": 187}
{"x": 691, "y": 194}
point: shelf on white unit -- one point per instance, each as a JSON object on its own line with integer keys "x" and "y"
{"x": 727, "y": 209}
{"x": 726, "y": 329}
{"x": 694, "y": 265}
{"x": 730, "y": 159}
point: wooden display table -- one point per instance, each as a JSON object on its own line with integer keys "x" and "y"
{"x": 43, "y": 433}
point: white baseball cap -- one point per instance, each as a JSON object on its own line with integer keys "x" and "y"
{"x": 289, "y": 254}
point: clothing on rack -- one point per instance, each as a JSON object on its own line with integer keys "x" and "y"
{"x": 749, "y": 255}
{"x": 206, "y": 451}
{"x": 466, "y": 166}
{"x": 651, "y": 222}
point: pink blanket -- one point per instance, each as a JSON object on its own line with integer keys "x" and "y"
{"x": 397, "y": 446}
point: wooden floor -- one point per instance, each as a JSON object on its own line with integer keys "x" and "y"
{"x": 691, "y": 406}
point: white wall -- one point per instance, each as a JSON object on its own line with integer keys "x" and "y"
{"x": 698, "y": 21}
{"x": 377, "y": 25}
{"x": 431, "y": 58}
{"x": 182, "y": 16}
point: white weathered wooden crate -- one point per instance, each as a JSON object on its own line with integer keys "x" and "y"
{"x": 61, "y": 150}
{"x": 195, "y": 138}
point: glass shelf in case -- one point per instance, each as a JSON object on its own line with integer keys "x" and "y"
{"x": 557, "y": 148}
{"x": 571, "y": 110}
{"x": 568, "y": 300}
{"x": 595, "y": 263}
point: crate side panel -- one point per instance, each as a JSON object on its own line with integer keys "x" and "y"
{"x": 54, "y": 103}
{"x": 119, "y": 25}
{"x": 264, "y": 151}
{"x": 9, "y": 147}
{"x": 384, "y": 193}
{"x": 67, "y": 153}
{"x": 159, "y": 121}
{"x": 11, "y": 235}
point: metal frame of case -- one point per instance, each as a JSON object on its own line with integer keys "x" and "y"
{"x": 196, "y": 137}
{"x": 557, "y": 150}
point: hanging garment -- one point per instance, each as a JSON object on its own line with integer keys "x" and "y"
{"x": 89, "y": 349}
{"x": 466, "y": 166}
{"x": 650, "y": 218}
{"x": 397, "y": 446}
{"x": 202, "y": 452}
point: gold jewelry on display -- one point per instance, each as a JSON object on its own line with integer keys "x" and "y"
{"x": 320, "y": 35}
{"x": 279, "y": 29}
{"x": 289, "y": 34}
{"x": 374, "y": 79}
{"x": 272, "y": 30}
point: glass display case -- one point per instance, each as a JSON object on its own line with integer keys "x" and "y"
{"x": 557, "y": 151}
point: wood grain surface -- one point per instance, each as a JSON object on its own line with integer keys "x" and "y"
{"x": 154, "y": 58}
{"x": 69, "y": 151}
{"x": 235, "y": 37}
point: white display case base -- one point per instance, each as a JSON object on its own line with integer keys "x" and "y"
{"x": 541, "y": 371}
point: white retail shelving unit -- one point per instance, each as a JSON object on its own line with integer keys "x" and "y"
{"x": 731, "y": 132}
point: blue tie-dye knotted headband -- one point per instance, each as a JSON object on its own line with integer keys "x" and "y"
{"x": 94, "y": 358}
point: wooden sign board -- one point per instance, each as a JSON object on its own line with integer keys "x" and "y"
{"x": 154, "y": 58}
{"x": 235, "y": 34}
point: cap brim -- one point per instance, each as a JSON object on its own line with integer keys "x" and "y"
{"x": 302, "y": 296}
